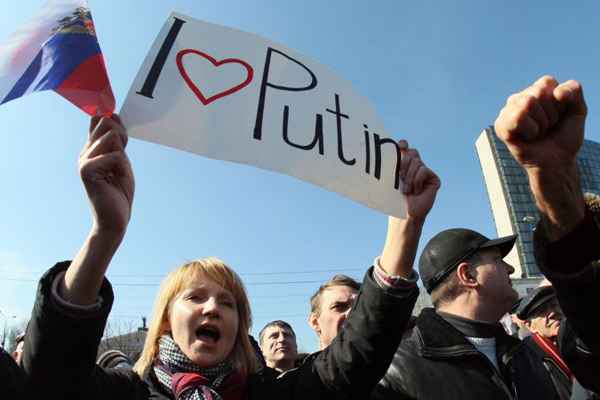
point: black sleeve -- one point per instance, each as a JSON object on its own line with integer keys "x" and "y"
{"x": 59, "y": 356}
{"x": 572, "y": 265}
{"x": 362, "y": 351}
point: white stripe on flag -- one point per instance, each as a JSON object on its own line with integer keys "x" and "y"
{"x": 19, "y": 50}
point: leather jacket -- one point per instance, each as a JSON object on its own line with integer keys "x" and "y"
{"x": 562, "y": 382}
{"x": 436, "y": 361}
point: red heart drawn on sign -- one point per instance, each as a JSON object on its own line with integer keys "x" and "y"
{"x": 216, "y": 63}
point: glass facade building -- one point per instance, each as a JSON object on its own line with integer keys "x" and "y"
{"x": 518, "y": 199}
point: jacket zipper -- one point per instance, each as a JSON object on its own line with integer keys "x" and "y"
{"x": 496, "y": 377}
{"x": 499, "y": 381}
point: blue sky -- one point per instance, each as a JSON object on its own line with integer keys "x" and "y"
{"x": 437, "y": 72}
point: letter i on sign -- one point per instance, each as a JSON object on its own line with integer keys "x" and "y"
{"x": 161, "y": 58}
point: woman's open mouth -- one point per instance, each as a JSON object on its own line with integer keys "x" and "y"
{"x": 208, "y": 333}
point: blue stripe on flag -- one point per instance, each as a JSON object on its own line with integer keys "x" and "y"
{"x": 25, "y": 80}
{"x": 57, "y": 59}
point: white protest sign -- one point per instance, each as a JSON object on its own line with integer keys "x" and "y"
{"x": 235, "y": 96}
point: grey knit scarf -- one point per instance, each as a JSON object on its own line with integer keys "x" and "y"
{"x": 171, "y": 363}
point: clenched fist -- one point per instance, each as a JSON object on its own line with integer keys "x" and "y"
{"x": 543, "y": 125}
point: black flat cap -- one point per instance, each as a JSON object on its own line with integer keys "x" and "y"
{"x": 446, "y": 250}
{"x": 534, "y": 300}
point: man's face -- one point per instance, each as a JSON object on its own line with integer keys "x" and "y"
{"x": 336, "y": 303}
{"x": 547, "y": 322}
{"x": 278, "y": 346}
{"x": 493, "y": 275}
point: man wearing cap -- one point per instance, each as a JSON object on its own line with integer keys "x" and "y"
{"x": 542, "y": 316}
{"x": 458, "y": 350}
{"x": 541, "y": 313}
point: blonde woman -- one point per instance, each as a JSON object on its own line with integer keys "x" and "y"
{"x": 197, "y": 345}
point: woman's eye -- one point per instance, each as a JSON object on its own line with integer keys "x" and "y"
{"x": 227, "y": 302}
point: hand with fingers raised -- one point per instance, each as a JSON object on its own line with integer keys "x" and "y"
{"x": 107, "y": 175}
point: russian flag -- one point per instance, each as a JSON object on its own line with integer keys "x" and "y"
{"x": 58, "y": 50}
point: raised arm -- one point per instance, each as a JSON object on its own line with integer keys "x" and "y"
{"x": 420, "y": 186}
{"x": 543, "y": 127}
{"x": 108, "y": 180}
{"x": 360, "y": 354}
{"x": 73, "y": 298}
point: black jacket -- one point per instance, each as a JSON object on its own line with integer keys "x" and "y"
{"x": 12, "y": 378}
{"x": 436, "y": 361}
{"x": 561, "y": 382}
{"x": 572, "y": 264}
{"x": 60, "y": 350}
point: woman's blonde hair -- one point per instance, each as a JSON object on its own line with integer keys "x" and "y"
{"x": 243, "y": 355}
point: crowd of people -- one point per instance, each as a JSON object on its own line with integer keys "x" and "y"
{"x": 198, "y": 344}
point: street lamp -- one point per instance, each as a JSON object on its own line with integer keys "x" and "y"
{"x": 530, "y": 220}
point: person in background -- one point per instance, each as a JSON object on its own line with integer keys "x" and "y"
{"x": 542, "y": 316}
{"x": 18, "y": 351}
{"x": 278, "y": 344}
{"x": 541, "y": 313}
{"x": 330, "y": 306}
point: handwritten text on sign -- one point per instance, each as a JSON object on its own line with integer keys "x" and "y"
{"x": 230, "y": 95}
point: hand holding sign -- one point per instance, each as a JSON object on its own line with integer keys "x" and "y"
{"x": 420, "y": 183}
{"x": 420, "y": 186}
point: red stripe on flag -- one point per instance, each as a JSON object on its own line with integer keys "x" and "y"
{"x": 88, "y": 87}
